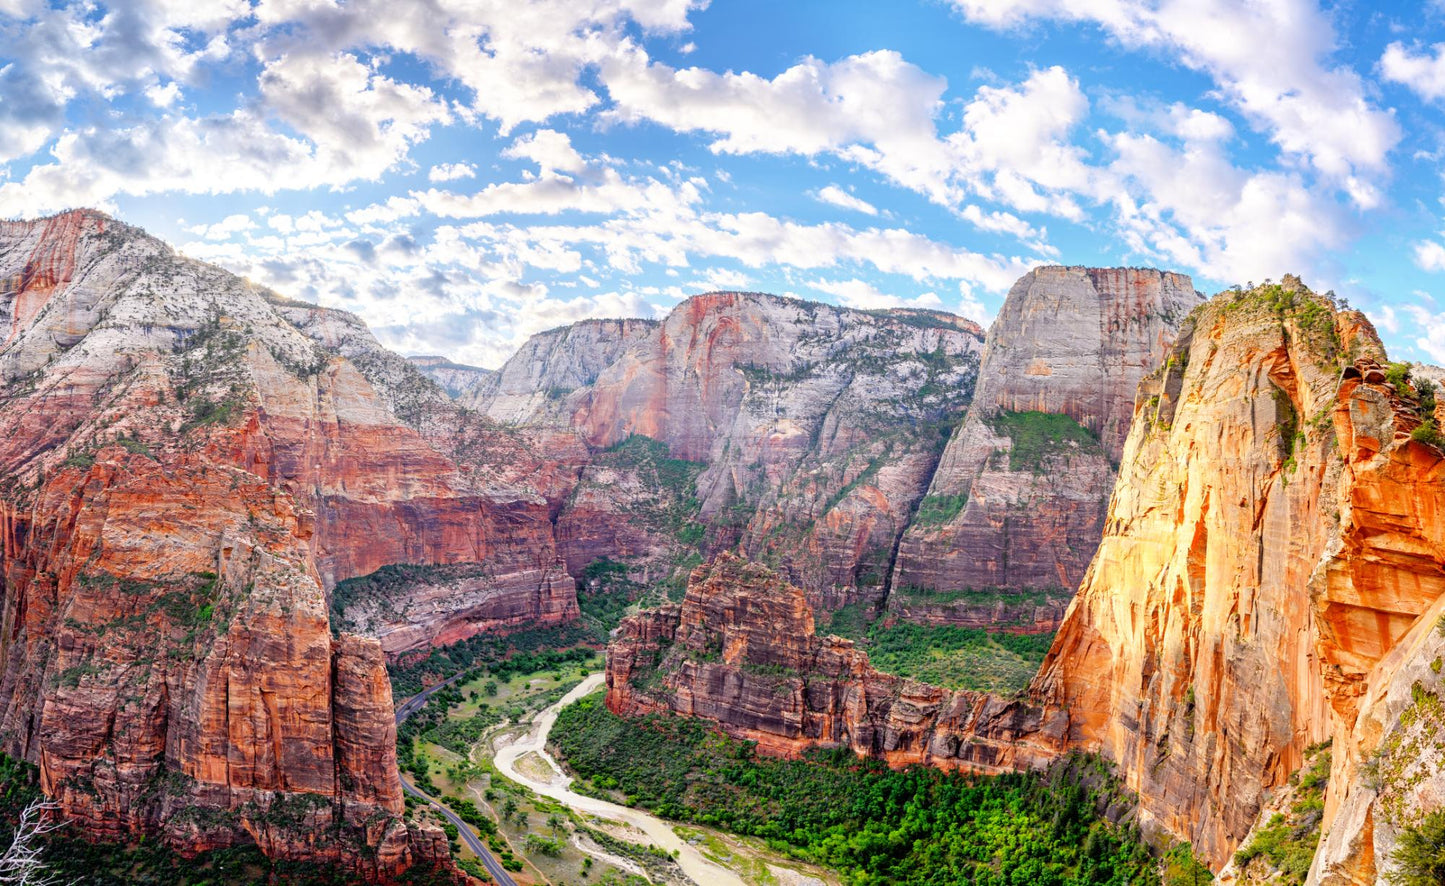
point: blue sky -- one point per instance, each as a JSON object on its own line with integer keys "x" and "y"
{"x": 465, "y": 174}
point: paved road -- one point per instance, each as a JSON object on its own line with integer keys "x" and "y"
{"x": 494, "y": 867}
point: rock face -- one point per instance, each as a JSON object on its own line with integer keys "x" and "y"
{"x": 1190, "y": 655}
{"x": 187, "y": 463}
{"x": 1016, "y": 507}
{"x": 1271, "y": 576}
{"x": 740, "y": 650}
{"x": 552, "y": 365}
{"x": 818, "y": 426}
{"x": 1380, "y": 597}
{"x": 457, "y": 379}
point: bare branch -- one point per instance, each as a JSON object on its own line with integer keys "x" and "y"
{"x": 21, "y": 863}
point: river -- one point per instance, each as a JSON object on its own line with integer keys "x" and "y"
{"x": 512, "y": 748}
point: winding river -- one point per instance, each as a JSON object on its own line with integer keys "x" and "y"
{"x": 512, "y": 748}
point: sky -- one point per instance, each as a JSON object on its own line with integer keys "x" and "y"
{"x": 465, "y": 173}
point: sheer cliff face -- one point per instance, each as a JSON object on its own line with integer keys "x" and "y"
{"x": 532, "y": 386}
{"x": 1070, "y": 342}
{"x": 1197, "y": 654}
{"x": 176, "y": 451}
{"x": 819, "y": 426}
{"x": 1272, "y": 575}
{"x": 740, "y": 650}
{"x": 1380, "y": 596}
{"x": 457, "y": 379}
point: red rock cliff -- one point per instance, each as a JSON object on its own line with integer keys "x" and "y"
{"x": 166, "y": 657}
{"x": 740, "y": 650}
{"x": 1271, "y": 576}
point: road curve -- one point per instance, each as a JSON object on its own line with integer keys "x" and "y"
{"x": 692, "y": 861}
{"x": 494, "y": 867}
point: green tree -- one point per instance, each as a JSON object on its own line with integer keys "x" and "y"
{"x": 1420, "y": 853}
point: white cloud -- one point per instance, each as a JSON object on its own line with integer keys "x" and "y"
{"x": 726, "y": 280}
{"x": 1385, "y": 318}
{"x": 836, "y": 196}
{"x": 551, "y": 150}
{"x": 1270, "y": 59}
{"x": 223, "y": 229}
{"x": 355, "y": 124}
{"x": 1191, "y": 207}
{"x": 809, "y": 108}
{"x": 604, "y": 192}
{"x": 164, "y": 96}
{"x": 860, "y": 294}
{"x": 1430, "y": 255}
{"x": 1431, "y": 329}
{"x": 1423, "y": 72}
{"x": 361, "y": 122}
{"x": 450, "y": 172}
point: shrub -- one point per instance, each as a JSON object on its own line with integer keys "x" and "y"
{"x": 1428, "y": 434}
{"x": 1398, "y": 374}
{"x": 935, "y": 510}
{"x": 1036, "y": 435}
{"x": 1419, "y": 854}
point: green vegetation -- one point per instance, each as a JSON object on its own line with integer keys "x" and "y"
{"x": 914, "y": 826}
{"x": 211, "y": 382}
{"x": 1427, "y": 391}
{"x": 568, "y": 642}
{"x": 605, "y": 594}
{"x": 1313, "y": 314}
{"x": 674, "y": 479}
{"x": 936, "y": 510}
{"x": 1287, "y": 842}
{"x": 1398, "y": 375}
{"x": 82, "y": 460}
{"x": 135, "y": 447}
{"x": 1427, "y": 432}
{"x": 948, "y": 655}
{"x": 1037, "y": 435}
{"x": 1420, "y": 853}
{"x": 1182, "y": 868}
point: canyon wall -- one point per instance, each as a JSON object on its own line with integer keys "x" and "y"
{"x": 1016, "y": 507}
{"x": 1270, "y": 577}
{"x": 188, "y": 462}
{"x": 740, "y": 650}
{"x": 816, "y": 429}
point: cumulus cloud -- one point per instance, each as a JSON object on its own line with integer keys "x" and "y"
{"x": 836, "y": 196}
{"x": 551, "y": 150}
{"x": 450, "y": 172}
{"x": 1430, "y": 255}
{"x": 1422, "y": 71}
{"x": 864, "y": 295}
{"x": 1190, "y": 206}
{"x": 1270, "y": 60}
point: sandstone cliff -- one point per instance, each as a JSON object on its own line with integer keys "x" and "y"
{"x": 457, "y": 379}
{"x": 1270, "y": 578}
{"x": 180, "y": 453}
{"x": 817, "y": 427}
{"x": 740, "y": 650}
{"x": 1016, "y": 507}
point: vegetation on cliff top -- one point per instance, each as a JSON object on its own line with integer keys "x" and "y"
{"x": 911, "y": 826}
{"x": 951, "y": 656}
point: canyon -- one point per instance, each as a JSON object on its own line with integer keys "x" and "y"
{"x": 1269, "y": 579}
{"x": 226, "y": 513}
